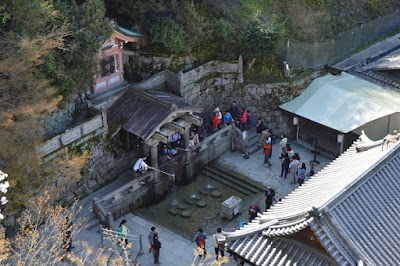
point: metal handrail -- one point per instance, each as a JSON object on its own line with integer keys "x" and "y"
{"x": 118, "y": 234}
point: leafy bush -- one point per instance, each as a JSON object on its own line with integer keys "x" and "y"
{"x": 260, "y": 36}
{"x": 167, "y": 33}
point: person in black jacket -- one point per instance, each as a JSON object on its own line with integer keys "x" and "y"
{"x": 269, "y": 198}
{"x": 234, "y": 110}
{"x": 157, "y": 246}
{"x": 285, "y": 165}
{"x": 259, "y": 129}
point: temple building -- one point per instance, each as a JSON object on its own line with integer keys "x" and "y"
{"x": 143, "y": 121}
{"x": 111, "y": 71}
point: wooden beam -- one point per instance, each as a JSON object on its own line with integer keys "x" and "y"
{"x": 160, "y": 137}
{"x": 175, "y": 127}
{"x": 193, "y": 119}
{"x": 151, "y": 142}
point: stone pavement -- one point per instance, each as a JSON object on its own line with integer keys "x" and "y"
{"x": 177, "y": 250}
{"x": 254, "y": 168}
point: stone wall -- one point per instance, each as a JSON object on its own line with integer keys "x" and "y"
{"x": 101, "y": 168}
{"x": 63, "y": 118}
{"x": 92, "y": 125}
{"x": 141, "y": 66}
{"x": 262, "y": 100}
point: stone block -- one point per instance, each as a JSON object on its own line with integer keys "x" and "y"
{"x": 92, "y": 125}
{"x": 260, "y": 91}
{"x": 268, "y": 90}
{"x": 92, "y": 183}
{"x": 271, "y": 125}
{"x": 9, "y": 221}
{"x": 263, "y": 114}
{"x": 70, "y": 135}
{"x": 50, "y": 146}
{"x": 247, "y": 98}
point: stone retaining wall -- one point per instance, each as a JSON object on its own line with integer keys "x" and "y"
{"x": 141, "y": 66}
{"x": 74, "y": 134}
{"x": 262, "y": 100}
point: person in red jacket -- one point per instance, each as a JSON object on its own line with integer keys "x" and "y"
{"x": 243, "y": 119}
{"x": 215, "y": 123}
{"x": 267, "y": 151}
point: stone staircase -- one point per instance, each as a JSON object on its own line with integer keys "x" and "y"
{"x": 252, "y": 141}
{"x": 232, "y": 179}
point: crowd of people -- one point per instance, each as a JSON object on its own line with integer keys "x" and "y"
{"x": 242, "y": 119}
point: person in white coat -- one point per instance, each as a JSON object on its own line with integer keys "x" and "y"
{"x": 219, "y": 243}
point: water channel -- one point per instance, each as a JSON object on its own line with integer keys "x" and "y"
{"x": 183, "y": 214}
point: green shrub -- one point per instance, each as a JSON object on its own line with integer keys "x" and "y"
{"x": 260, "y": 36}
{"x": 166, "y": 32}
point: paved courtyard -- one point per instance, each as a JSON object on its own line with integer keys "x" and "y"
{"x": 177, "y": 250}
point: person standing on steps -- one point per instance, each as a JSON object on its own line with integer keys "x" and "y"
{"x": 259, "y": 129}
{"x": 150, "y": 237}
{"x": 243, "y": 119}
{"x": 200, "y": 240}
{"x": 234, "y": 110}
{"x": 228, "y": 119}
{"x": 157, "y": 246}
{"x": 219, "y": 243}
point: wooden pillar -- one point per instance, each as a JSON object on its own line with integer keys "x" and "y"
{"x": 128, "y": 148}
{"x": 186, "y": 143}
{"x": 154, "y": 159}
{"x": 188, "y": 154}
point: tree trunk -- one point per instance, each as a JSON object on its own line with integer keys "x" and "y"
{"x": 251, "y": 64}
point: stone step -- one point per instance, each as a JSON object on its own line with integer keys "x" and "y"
{"x": 226, "y": 182}
{"x": 92, "y": 223}
{"x": 253, "y": 149}
{"x": 232, "y": 179}
{"x": 241, "y": 177}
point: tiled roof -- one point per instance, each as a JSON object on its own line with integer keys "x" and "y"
{"x": 261, "y": 250}
{"x": 144, "y": 112}
{"x": 352, "y": 206}
{"x": 368, "y": 216}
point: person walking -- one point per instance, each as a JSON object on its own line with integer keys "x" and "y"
{"x": 285, "y": 165}
{"x": 123, "y": 231}
{"x": 200, "y": 240}
{"x": 157, "y": 246}
{"x": 282, "y": 146}
{"x": 150, "y": 237}
{"x": 302, "y": 173}
{"x": 267, "y": 154}
{"x": 219, "y": 243}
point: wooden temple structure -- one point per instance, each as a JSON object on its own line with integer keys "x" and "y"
{"x": 145, "y": 120}
{"x": 111, "y": 71}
